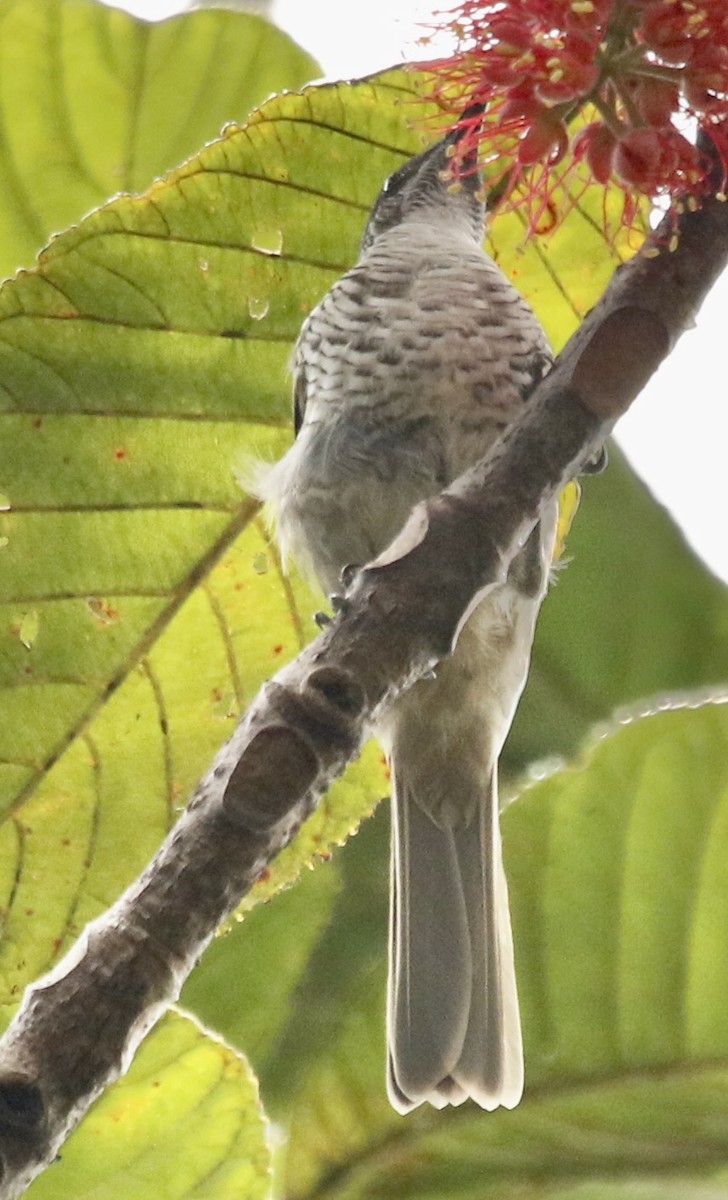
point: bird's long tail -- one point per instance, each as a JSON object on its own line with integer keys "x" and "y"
{"x": 453, "y": 1021}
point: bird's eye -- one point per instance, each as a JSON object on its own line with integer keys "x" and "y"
{"x": 402, "y": 176}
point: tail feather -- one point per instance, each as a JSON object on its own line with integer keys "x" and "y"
{"x": 453, "y": 1022}
{"x": 490, "y": 1067}
{"x": 430, "y": 958}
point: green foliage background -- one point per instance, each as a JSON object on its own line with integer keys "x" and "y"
{"x": 142, "y": 604}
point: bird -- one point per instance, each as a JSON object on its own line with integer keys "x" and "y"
{"x": 404, "y": 375}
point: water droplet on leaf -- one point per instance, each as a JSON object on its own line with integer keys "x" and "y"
{"x": 257, "y": 308}
{"x": 267, "y": 241}
{"x": 28, "y": 629}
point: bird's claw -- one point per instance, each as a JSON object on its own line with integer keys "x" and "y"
{"x": 339, "y": 603}
{"x": 348, "y": 573}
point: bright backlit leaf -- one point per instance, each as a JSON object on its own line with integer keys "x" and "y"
{"x": 94, "y": 102}
{"x": 187, "y": 1113}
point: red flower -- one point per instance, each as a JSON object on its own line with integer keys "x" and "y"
{"x": 645, "y": 158}
{"x": 596, "y": 143}
{"x": 629, "y": 68}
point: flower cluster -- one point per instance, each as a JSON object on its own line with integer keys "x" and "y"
{"x": 615, "y": 82}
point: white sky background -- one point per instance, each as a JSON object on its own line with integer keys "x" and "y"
{"x": 676, "y": 433}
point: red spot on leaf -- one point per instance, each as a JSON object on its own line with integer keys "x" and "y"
{"x": 103, "y": 610}
{"x": 278, "y": 649}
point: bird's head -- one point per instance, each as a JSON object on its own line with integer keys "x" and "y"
{"x": 422, "y": 190}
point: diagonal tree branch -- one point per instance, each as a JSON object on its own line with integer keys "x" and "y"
{"x": 79, "y": 1026}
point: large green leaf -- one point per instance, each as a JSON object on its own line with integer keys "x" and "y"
{"x": 185, "y": 1123}
{"x": 142, "y": 604}
{"x": 94, "y": 102}
{"x": 618, "y": 869}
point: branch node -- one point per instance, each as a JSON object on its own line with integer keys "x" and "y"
{"x": 323, "y": 711}
{"x": 21, "y": 1103}
{"x": 250, "y": 801}
{"x": 339, "y": 689}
